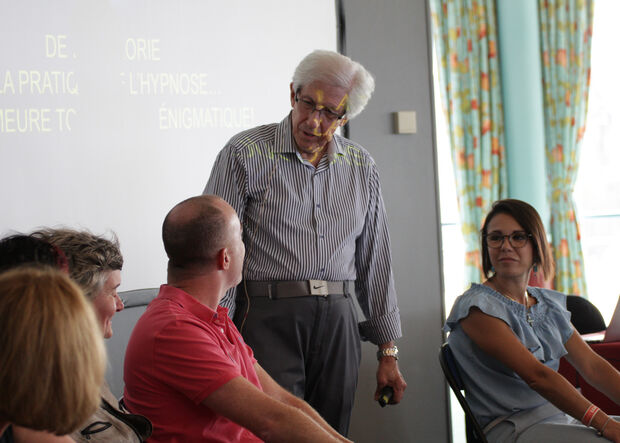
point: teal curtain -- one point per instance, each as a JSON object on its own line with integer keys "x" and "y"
{"x": 566, "y": 38}
{"x": 465, "y": 37}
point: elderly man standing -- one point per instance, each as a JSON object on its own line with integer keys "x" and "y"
{"x": 315, "y": 231}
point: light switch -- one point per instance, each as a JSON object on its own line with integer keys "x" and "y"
{"x": 404, "y": 122}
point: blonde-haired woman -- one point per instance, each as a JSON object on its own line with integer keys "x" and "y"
{"x": 52, "y": 358}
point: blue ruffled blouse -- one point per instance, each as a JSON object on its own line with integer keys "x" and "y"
{"x": 493, "y": 389}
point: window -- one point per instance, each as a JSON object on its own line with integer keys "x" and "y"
{"x": 597, "y": 189}
{"x": 453, "y": 245}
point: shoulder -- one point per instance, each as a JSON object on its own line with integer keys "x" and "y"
{"x": 108, "y": 396}
{"x": 252, "y": 137}
{"x": 482, "y": 297}
{"x": 353, "y": 152}
{"x": 553, "y": 303}
{"x": 550, "y": 296}
{"x": 165, "y": 319}
{"x": 479, "y": 294}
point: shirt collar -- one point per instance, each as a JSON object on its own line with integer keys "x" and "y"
{"x": 186, "y": 301}
{"x": 284, "y": 142}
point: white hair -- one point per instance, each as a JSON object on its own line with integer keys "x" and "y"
{"x": 337, "y": 70}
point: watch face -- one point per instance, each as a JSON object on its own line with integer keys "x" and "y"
{"x": 388, "y": 352}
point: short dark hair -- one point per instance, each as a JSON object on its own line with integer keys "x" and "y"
{"x": 21, "y": 249}
{"x": 194, "y": 231}
{"x": 528, "y": 218}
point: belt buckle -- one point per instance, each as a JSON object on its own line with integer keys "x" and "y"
{"x": 318, "y": 287}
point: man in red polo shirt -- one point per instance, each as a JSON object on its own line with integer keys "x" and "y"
{"x": 187, "y": 368}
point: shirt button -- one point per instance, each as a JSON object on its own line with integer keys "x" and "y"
{"x": 318, "y": 205}
{"x": 322, "y": 269}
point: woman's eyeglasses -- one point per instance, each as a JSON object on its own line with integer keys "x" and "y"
{"x": 517, "y": 239}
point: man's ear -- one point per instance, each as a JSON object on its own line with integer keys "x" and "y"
{"x": 223, "y": 259}
{"x": 292, "y": 95}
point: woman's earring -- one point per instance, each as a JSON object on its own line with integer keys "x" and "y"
{"x": 535, "y": 268}
{"x": 493, "y": 269}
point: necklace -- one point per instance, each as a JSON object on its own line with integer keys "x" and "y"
{"x": 528, "y": 314}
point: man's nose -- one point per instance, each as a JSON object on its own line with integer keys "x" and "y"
{"x": 315, "y": 118}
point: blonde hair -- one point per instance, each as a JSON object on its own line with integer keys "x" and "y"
{"x": 90, "y": 256}
{"x": 52, "y": 357}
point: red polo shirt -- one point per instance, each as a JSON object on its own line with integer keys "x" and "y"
{"x": 180, "y": 351}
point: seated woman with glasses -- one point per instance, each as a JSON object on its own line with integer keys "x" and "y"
{"x": 508, "y": 339}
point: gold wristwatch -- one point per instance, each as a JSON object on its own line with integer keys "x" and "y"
{"x": 388, "y": 352}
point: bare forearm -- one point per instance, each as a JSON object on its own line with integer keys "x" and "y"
{"x": 313, "y": 414}
{"x": 600, "y": 374}
{"x": 561, "y": 393}
{"x": 606, "y": 379}
{"x": 295, "y": 425}
{"x": 565, "y": 397}
{"x": 282, "y": 416}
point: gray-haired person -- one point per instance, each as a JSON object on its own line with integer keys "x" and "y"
{"x": 316, "y": 235}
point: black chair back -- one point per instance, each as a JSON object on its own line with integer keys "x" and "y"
{"x": 450, "y": 369}
{"x": 584, "y": 316}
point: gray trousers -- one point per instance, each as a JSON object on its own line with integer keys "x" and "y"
{"x": 311, "y": 346}
{"x": 558, "y": 429}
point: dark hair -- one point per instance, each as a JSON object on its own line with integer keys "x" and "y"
{"x": 194, "y": 231}
{"x": 20, "y": 249}
{"x": 528, "y": 218}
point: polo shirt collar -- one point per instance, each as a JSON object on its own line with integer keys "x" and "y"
{"x": 186, "y": 301}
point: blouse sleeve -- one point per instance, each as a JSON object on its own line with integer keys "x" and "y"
{"x": 557, "y": 313}
{"x": 476, "y": 297}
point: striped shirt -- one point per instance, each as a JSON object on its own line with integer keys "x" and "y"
{"x": 301, "y": 222}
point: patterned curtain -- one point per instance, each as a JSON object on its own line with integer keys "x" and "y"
{"x": 566, "y": 37}
{"x": 465, "y": 37}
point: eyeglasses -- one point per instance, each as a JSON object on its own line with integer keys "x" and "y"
{"x": 308, "y": 106}
{"x": 517, "y": 239}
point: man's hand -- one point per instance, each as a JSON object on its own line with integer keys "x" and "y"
{"x": 388, "y": 374}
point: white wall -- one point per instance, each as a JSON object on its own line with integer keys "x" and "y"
{"x": 99, "y": 149}
{"x": 391, "y": 39}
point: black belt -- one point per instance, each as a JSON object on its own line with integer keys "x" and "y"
{"x": 295, "y": 288}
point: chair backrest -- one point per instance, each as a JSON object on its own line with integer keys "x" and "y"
{"x": 123, "y": 322}
{"x": 584, "y": 316}
{"x": 451, "y": 372}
